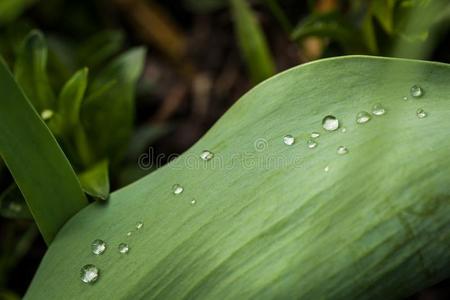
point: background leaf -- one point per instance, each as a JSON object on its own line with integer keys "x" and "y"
{"x": 254, "y": 49}
{"x": 273, "y": 221}
{"x": 13, "y": 205}
{"x": 38, "y": 165}
{"x": 95, "y": 180}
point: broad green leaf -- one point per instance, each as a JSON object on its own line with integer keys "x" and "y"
{"x": 107, "y": 114}
{"x": 272, "y": 221}
{"x": 95, "y": 180}
{"x": 252, "y": 42}
{"x": 11, "y": 9}
{"x": 31, "y": 74}
{"x": 38, "y": 165}
{"x": 13, "y": 205}
{"x": 99, "y": 48}
{"x": 71, "y": 97}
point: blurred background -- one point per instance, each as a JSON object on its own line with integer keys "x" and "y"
{"x": 161, "y": 73}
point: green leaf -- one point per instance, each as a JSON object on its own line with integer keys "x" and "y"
{"x": 252, "y": 42}
{"x": 269, "y": 222}
{"x": 205, "y": 6}
{"x": 383, "y": 11}
{"x": 107, "y": 114}
{"x": 13, "y": 205}
{"x": 31, "y": 74}
{"x": 95, "y": 180}
{"x": 71, "y": 97}
{"x": 38, "y": 165}
{"x": 11, "y": 9}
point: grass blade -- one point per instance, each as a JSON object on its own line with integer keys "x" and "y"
{"x": 36, "y": 161}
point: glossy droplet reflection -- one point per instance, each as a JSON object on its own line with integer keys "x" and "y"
{"x": 416, "y": 91}
{"x": 421, "y": 113}
{"x": 311, "y": 144}
{"x": 288, "y": 140}
{"x": 342, "y": 150}
{"x": 315, "y": 135}
{"x": 193, "y": 202}
{"x": 378, "y": 110}
{"x": 124, "y": 248}
{"x": 98, "y": 247}
{"x": 363, "y": 117}
{"x": 139, "y": 225}
{"x": 330, "y": 123}
{"x": 89, "y": 274}
{"x": 206, "y": 155}
{"x": 177, "y": 189}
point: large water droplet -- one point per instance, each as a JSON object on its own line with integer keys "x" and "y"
{"x": 288, "y": 140}
{"x": 139, "y": 225}
{"x": 315, "y": 135}
{"x": 416, "y": 91}
{"x": 206, "y": 155}
{"x": 177, "y": 189}
{"x": 378, "y": 109}
{"x": 89, "y": 274}
{"x": 98, "y": 247}
{"x": 330, "y": 123}
{"x": 47, "y": 114}
{"x": 311, "y": 144}
{"x": 124, "y": 248}
{"x": 341, "y": 150}
{"x": 420, "y": 113}
{"x": 363, "y": 117}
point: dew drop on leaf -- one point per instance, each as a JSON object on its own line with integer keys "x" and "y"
{"x": 341, "y": 150}
{"x": 315, "y": 135}
{"x": 129, "y": 233}
{"x": 89, "y": 274}
{"x": 124, "y": 248}
{"x": 98, "y": 247}
{"x": 330, "y": 123}
{"x": 363, "y": 117}
{"x": 206, "y": 155}
{"x": 420, "y": 113}
{"x": 177, "y": 189}
{"x": 416, "y": 91}
{"x": 378, "y": 109}
{"x": 405, "y": 98}
{"x": 288, "y": 140}
{"x": 311, "y": 144}
{"x": 327, "y": 168}
{"x": 193, "y": 202}
{"x": 139, "y": 225}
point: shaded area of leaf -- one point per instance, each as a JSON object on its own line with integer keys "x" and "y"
{"x": 95, "y": 180}
{"x": 13, "y": 205}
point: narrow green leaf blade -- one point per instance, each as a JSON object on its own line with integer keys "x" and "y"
{"x": 271, "y": 221}
{"x": 36, "y": 161}
{"x": 95, "y": 180}
{"x": 254, "y": 49}
{"x": 30, "y": 71}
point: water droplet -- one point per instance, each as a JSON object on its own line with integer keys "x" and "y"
{"x": 405, "y": 98}
{"x": 139, "y": 225}
{"x": 342, "y": 150}
{"x": 420, "y": 113}
{"x": 46, "y": 114}
{"x": 343, "y": 130}
{"x": 315, "y": 135}
{"x": 363, "y": 117}
{"x": 416, "y": 91}
{"x": 378, "y": 109}
{"x": 330, "y": 123}
{"x": 311, "y": 143}
{"x": 98, "y": 247}
{"x": 129, "y": 233}
{"x": 177, "y": 189}
{"x": 89, "y": 274}
{"x": 124, "y": 248}
{"x": 327, "y": 168}
{"x": 206, "y": 155}
{"x": 193, "y": 201}
{"x": 288, "y": 140}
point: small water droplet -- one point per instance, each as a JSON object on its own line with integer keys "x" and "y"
{"x": 405, "y": 98}
{"x": 343, "y": 130}
{"x": 139, "y": 225}
{"x": 327, "y": 168}
{"x": 416, "y": 91}
{"x": 330, "y": 123}
{"x": 342, "y": 150}
{"x": 46, "y": 114}
{"x": 89, "y": 273}
{"x": 420, "y": 113}
{"x": 378, "y": 109}
{"x": 129, "y": 233}
{"x": 124, "y": 248}
{"x": 315, "y": 135}
{"x": 288, "y": 140}
{"x": 177, "y": 189}
{"x": 98, "y": 247}
{"x": 193, "y": 201}
{"x": 363, "y": 117}
{"x": 206, "y": 155}
{"x": 311, "y": 143}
